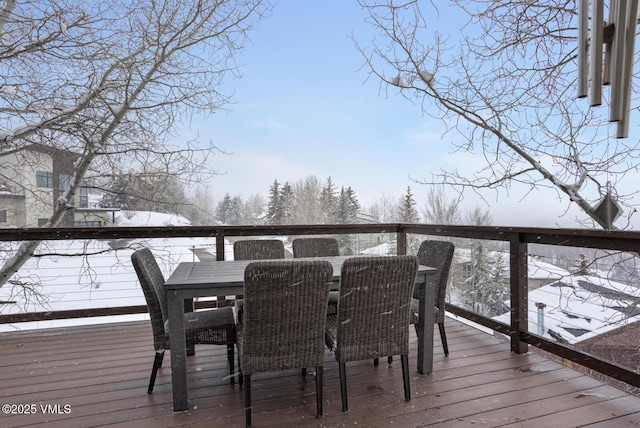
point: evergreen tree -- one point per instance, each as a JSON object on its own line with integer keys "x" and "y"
{"x": 497, "y": 292}
{"x": 584, "y": 265}
{"x": 407, "y": 211}
{"x": 480, "y": 274}
{"x": 346, "y": 213}
{"x": 328, "y": 202}
{"x": 286, "y": 203}
{"x": 347, "y": 207}
{"x": 485, "y": 290}
{"x": 223, "y": 210}
{"x": 274, "y": 207}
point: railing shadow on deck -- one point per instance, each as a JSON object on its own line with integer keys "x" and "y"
{"x": 517, "y": 238}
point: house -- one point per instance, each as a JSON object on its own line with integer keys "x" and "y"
{"x": 32, "y": 179}
{"x": 539, "y": 273}
{"x": 581, "y": 308}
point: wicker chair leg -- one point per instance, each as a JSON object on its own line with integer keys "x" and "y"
{"x": 376, "y": 361}
{"x": 343, "y": 386}
{"x": 443, "y": 336}
{"x": 157, "y": 363}
{"x": 231, "y": 359}
{"x": 247, "y": 399}
{"x": 404, "y": 359}
{"x": 319, "y": 382}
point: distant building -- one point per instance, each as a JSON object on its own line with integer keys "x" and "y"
{"x": 539, "y": 273}
{"x": 32, "y": 180}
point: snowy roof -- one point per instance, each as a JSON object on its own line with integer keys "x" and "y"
{"x": 577, "y": 308}
{"x": 148, "y": 218}
{"x": 380, "y": 250}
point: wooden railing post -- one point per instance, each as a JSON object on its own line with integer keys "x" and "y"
{"x": 402, "y": 241}
{"x": 519, "y": 293}
{"x": 220, "y": 246}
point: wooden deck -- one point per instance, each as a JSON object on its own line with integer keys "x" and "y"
{"x": 100, "y": 374}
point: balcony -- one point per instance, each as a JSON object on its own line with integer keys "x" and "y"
{"x": 496, "y": 374}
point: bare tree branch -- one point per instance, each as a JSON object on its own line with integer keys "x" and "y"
{"x": 505, "y": 87}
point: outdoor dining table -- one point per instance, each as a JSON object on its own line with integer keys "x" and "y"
{"x": 226, "y": 278}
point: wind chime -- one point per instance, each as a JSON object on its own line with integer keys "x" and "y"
{"x": 612, "y": 67}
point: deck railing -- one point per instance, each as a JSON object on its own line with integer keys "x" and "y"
{"x": 517, "y": 238}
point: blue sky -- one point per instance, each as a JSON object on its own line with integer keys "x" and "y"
{"x": 304, "y": 107}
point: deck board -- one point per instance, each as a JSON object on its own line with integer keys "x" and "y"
{"x": 102, "y": 371}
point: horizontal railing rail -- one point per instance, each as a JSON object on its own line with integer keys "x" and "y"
{"x": 517, "y": 238}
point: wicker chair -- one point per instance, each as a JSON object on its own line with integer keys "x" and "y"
{"x": 319, "y": 247}
{"x": 215, "y": 327}
{"x": 283, "y": 321}
{"x": 373, "y": 313}
{"x": 315, "y": 247}
{"x": 438, "y": 254}
{"x": 258, "y": 249}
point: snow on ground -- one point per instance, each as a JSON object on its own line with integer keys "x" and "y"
{"x": 106, "y": 278}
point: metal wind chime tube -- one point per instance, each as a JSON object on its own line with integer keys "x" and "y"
{"x": 595, "y": 75}
{"x": 619, "y": 9}
{"x": 608, "y": 52}
{"x": 618, "y": 36}
{"x": 583, "y": 46}
{"x": 629, "y": 50}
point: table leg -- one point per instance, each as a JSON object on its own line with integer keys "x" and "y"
{"x": 188, "y": 307}
{"x": 426, "y": 295}
{"x": 177, "y": 345}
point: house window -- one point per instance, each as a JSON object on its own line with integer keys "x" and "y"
{"x": 42, "y": 222}
{"x": 84, "y": 197}
{"x": 44, "y": 179}
{"x": 467, "y": 271}
{"x": 3, "y": 216}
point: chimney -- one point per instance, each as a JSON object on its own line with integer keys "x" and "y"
{"x": 540, "y": 307}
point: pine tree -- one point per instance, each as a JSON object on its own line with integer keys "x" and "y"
{"x": 286, "y": 203}
{"x": 328, "y": 202}
{"x": 407, "y": 211}
{"x": 474, "y": 284}
{"x": 223, "y": 210}
{"x": 485, "y": 289}
{"x": 584, "y": 265}
{"x": 274, "y": 207}
{"x": 347, "y": 207}
{"x": 346, "y": 213}
{"x": 497, "y": 293}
